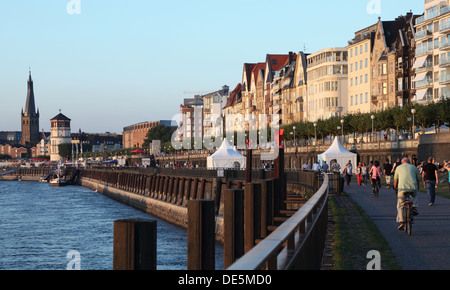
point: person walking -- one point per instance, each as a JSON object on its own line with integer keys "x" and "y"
{"x": 430, "y": 179}
{"x": 364, "y": 173}
{"x": 406, "y": 179}
{"x": 348, "y": 171}
{"x": 359, "y": 173}
{"x": 447, "y": 167}
{"x": 375, "y": 175}
{"x": 325, "y": 167}
{"x": 387, "y": 170}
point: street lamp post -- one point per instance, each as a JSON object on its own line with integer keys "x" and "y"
{"x": 342, "y": 128}
{"x": 373, "y": 118}
{"x": 413, "y": 111}
{"x": 315, "y": 133}
{"x": 295, "y": 143}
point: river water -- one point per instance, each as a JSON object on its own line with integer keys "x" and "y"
{"x": 40, "y": 225}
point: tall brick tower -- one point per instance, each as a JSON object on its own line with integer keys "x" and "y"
{"x": 30, "y": 119}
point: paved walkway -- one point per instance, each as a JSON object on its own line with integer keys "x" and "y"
{"x": 429, "y": 246}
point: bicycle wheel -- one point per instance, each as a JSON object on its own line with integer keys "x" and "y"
{"x": 408, "y": 225}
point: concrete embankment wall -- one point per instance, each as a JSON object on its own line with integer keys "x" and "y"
{"x": 172, "y": 213}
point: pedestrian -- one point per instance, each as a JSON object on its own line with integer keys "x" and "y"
{"x": 316, "y": 166}
{"x": 447, "y": 167}
{"x": 348, "y": 171}
{"x": 430, "y": 179}
{"x": 325, "y": 166}
{"x": 305, "y": 165}
{"x": 335, "y": 166}
{"x": 359, "y": 173}
{"x": 395, "y": 165}
{"x": 368, "y": 167}
{"x": 387, "y": 170}
{"x": 364, "y": 173}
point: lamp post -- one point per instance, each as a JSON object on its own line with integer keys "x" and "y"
{"x": 295, "y": 142}
{"x": 373, "y": 118}
{"x": 342, "y": 128}
{"x": 315, "y": 133}
{"x": 413, "y": 111}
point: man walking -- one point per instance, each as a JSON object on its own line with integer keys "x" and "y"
{"x": 406, "y": 179}
{"x": 430, "y": 179}
{"x": 387, "y": 170}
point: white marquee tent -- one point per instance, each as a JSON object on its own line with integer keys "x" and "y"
{"x": 338, "y": 152}
{"x": 226, "y": 157}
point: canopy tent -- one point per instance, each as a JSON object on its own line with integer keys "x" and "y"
{"x": 226, "y": 157}
{"x": 338, "y": 152}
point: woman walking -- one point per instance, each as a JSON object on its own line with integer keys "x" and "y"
{"x": 364, "y": 173}
{"x": 359, "y": 173}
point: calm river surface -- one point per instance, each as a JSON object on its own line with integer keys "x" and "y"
{"x": 40, "y": 225}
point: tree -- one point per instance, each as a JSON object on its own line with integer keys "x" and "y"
{"x": 65, "y": 150}
{"x": 159, "y": 132}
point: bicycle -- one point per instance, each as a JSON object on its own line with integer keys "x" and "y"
{"x": 375, "y": 187}
{"x": 408, "y": 215}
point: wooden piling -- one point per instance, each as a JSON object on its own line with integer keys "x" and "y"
{"x": 233, "y": 216}
{"x": 201, "y": 235}
{"x": 252, "y": 215}
{"x": 134, "y": 246}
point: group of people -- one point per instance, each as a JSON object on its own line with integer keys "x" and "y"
{"x": 405, "y": 178}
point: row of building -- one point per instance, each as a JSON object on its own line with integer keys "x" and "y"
{"x": 390, "y": 63}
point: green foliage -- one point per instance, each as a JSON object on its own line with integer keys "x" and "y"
{"x": 65, "y": 150}
{"x": 160, "y": 132}
{"x": 396, "y": 118}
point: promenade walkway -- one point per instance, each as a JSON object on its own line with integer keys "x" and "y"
{"x": 429, "y": 246}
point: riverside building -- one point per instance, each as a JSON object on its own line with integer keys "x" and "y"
{"x": 432, "y": 81}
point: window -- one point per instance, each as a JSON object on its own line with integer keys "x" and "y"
{"x": 367, "y": 62}
{"x": 367, "y": 47}
{"x": 367, "y": 98}
{"x": 351, "y": 101}
{"x": 361, "y": 99}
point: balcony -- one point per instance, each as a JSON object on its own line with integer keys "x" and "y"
{"x": 423, "y": 35}
{"x": 428, "y": 66}
{"x": 443, "y": 28}
{"x": 425, "y": 83}
{"x": 444, "y": 62}
{"x": 445, "y": 44}
{"x": 425, "y": 50}
{"x": 444, "y": 80}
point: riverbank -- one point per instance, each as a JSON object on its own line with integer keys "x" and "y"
{"x": 172, "y": 213}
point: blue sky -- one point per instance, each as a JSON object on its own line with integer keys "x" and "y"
{"x": 123, "y": 62}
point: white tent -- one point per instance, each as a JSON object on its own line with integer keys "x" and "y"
{"x": 338, "y": 152}
{"x": 226, "y": 157}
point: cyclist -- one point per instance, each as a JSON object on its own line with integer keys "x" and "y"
{"x": 375, "y": 175}
{"x": 406, "y": 179}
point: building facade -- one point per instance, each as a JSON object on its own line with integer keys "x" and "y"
{"x": 432, "y": 65}
{"x": 359, "y": 63}
{"x": 327, "y": 93}
{"x": 134, "y": 136}
{"x": 59, "y": 134}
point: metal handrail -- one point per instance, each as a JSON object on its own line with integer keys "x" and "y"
{"x": 282, "y": 247}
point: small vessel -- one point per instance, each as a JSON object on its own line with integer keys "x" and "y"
{"x": 58, "y": 179}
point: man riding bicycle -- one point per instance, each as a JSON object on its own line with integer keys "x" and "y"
{"x": 406, "y": 180}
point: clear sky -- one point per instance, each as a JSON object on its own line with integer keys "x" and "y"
{"x": 118, "y": 63}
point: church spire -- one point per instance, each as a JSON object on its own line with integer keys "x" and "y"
{"x": 30, "y": 108}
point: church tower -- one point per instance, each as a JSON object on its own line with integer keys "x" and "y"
{"x": 30, "y": 119}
